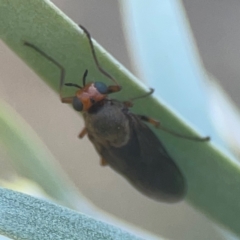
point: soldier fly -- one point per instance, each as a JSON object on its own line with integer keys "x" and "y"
{"x": 122, "y": 139}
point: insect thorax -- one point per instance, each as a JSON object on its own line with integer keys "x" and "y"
{"x": 108, "y": 123}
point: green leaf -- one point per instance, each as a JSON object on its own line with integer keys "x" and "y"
{"x": 213, "y": 178}
{"x": 33, "y": 160}
{"x": 25, "y": 217}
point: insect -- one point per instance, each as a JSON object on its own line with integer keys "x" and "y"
{"x": 123, "y": 139}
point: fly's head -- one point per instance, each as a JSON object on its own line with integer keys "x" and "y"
{"x": 89, "y": 95}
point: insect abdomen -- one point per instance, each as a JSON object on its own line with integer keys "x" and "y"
{"x": 138, "y": 155}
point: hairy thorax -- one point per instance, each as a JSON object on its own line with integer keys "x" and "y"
{"x": 108, "y": 124}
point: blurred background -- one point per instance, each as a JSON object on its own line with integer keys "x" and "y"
{"x": 215, "y": 26}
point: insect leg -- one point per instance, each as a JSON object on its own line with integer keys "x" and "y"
{"x": 157, "y": 124}
{"x": 113, "y": 89}
{"x": 61, "y": 68}
{"x": 129, "y": 103}
{"x": 83, "y": 133}
{"x": 103, "y": 162}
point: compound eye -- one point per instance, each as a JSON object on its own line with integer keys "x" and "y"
{"x": 101, "y": 87}
{"x": 77, "y": 104}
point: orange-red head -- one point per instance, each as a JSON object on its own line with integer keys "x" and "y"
{"x": 90, "y": 94}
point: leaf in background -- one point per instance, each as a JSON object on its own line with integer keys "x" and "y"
{"x": 225, "y": 116}
{"x": 25, "y": 217}
{"x": 33, "y": 160}
{"x": 168, "y": 58}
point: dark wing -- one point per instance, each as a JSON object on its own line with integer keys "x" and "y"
{"x": 146, "y": 164}
{"x": 165, "y": 181}
{"x": 150, "y": 146}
